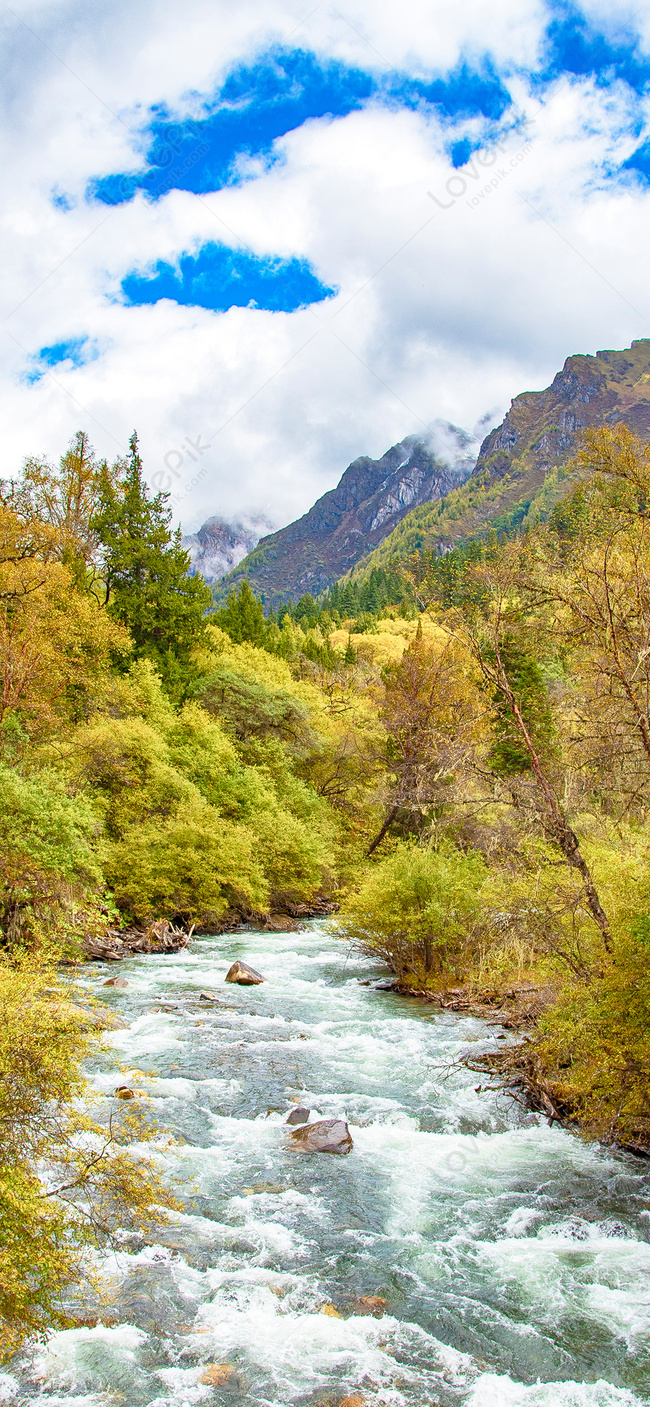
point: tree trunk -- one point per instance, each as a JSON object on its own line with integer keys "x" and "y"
{"x": 557, "y": 828}
{"x": 388, "y": 822}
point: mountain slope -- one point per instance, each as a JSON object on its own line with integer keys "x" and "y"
{"x": 218, "y": 546}
{"x": 370, "y": 498}
{"x": 520, "y": 471}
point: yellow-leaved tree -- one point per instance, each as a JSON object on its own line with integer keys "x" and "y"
{"x": 68, "y": 1178}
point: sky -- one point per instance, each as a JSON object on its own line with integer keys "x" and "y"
{"x": 272, "y": 236}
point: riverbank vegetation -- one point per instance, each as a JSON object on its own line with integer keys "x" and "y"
{"x": 528, "y": 751}
{"x": 458, "y": 759}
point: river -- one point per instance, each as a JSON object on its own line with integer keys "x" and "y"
{"x": 512, "y": 1258}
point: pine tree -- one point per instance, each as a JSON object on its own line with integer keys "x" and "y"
{"x": 349, "y": 602}
{"x": 242, "y": 617}
{"x": 307, "y": 608}
{"x": 146, "y": 582}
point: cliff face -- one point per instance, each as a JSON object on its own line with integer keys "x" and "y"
{"x": 541, "y": 428}
{"x": 370, "y": 498}
{"x": 521, "y": 470}
{"x": 217, "y": 547}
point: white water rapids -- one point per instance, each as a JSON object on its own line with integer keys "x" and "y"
{"x": 513, "y": 1258}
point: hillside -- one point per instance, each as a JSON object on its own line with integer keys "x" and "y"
{"x": 372, "y": 496}
{"x": 520, "y": 472}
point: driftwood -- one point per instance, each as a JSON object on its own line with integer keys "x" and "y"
{"x": 518, "y": 1069}
{"x": 514, "y": 1009}
{"x": 160, "y": 937}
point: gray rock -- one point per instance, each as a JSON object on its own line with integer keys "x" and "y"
{"x": 116, "y": 982}
{"x": 327, "y": 1136}
{"x": 244, "y": 975}
{"x": 298, "y": 1116}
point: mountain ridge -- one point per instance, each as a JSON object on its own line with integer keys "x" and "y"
{"x": 372, "y": 495}
{"x": 521, "y": 471}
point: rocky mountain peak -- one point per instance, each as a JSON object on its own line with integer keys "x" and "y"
{"x": 218, "y": 546}
{"x": 372, "y": 496}
{"x": 541, "y": 428}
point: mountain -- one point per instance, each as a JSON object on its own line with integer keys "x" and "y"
{"x": 521, "y": 469}
{"x": 370, "y": 498}
{"x": 218, "y": 546}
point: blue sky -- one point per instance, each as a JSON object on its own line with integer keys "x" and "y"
{"x": 256, "y": 105}
{"x": 75, "y": 353}
{"x": 220, "y": 278}
{"x": 300, "y": 238}
{"x": 238, "y": 128}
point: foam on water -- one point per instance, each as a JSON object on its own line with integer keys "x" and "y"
{"x": 513, "y": 1259}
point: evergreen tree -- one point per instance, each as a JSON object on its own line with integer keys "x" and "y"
{"x": 508, "y": 755}
{"x": 146, "y": 582}
{"x": 349, "y": 602}
{"x": 243, "y": 617}
{"x": 307, "y": 610}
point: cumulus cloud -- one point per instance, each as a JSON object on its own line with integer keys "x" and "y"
{"x": 458, "y": 285}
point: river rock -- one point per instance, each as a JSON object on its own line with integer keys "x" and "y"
{"x": 215, "y": 1374}
{"x": 96, "y": 1018}
{"x": 123, "y": 1092}
{"x": 244, "y": 975}
{"x": 298, "y": 1116}
{"x": 370, "y": 1304}
{"x": 116, "y": 982}
{"x": 327, "y": 1136}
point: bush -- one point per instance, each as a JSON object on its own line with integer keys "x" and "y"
{"x": 595, "y": 1046}
{"x": 419, "y": 909}
{"x": 46, "y": 853}
{"x": 192, "y": 864}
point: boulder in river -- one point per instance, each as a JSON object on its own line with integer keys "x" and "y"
{"x": 244, "y": 975}
{"x": 123, "y": 1092}
{"x": 298, "y": 1116}
{"x": 116, "y": 982}
{"x": 327, "y": 1136}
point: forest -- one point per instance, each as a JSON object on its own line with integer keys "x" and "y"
{"x": 455, "y": 757}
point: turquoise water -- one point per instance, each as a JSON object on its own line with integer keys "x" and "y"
{"x": 513, "y": 1258}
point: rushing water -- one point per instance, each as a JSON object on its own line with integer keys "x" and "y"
{"x": 513, "y": 1258}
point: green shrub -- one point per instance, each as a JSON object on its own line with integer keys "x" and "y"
{"x": 419, "y": 909}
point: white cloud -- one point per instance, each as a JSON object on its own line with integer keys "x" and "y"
{"x": 442, "y": 312}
